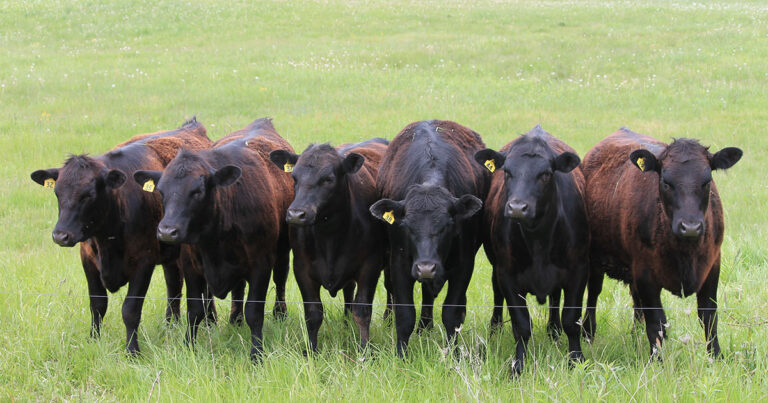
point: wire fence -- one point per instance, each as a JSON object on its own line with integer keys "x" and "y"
{"x": 381, "y": 304}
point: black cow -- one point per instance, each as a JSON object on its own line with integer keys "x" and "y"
{"x": 229, "y": 202}
{"x": 537, "y": 233}
{"x": 115, "y": 222}
{"x": 336, "y": 243}
{"x": 433, "y": 235}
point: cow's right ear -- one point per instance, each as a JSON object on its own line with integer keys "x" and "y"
{"x": 42, "y": 175}
{"x": 284, "y": 159}
{"x": 389, "y": 211}
{"x": 490, "y": 159}
{"x": 645, "y": 161}
{"x": 147, "y": 179}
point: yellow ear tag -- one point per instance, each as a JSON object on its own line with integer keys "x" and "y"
{"x": 288, "y": 167}
{"x": 490, "y": 165}
{"x": 641, "y": 164}
{"x": 49, "y": 183}
{"x": 389, "y": 217}
{"x": 149, "y": 186}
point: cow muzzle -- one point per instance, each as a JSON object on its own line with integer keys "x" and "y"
{"x": 64, "y": 238}
{"x": 299, "y": 217}
{"x": 168, "y": 233}
{"x": 690, "y": 229}
{"x": 424, "y": 270}
{"x": 517, "y": 210}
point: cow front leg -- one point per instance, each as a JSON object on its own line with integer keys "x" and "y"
{"x": 133, "y": 304}
{"x": 97, "y": 294}
{"x": 258, "y": 284}
{"x": 707, "y": 301}
{"x": 554, "y": 325}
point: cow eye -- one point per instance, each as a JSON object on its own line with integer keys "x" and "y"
{"x": 545, "y": 177}
{"x": 196, "y": 194}
{"x": 667, "y": 186}
{"x": 705, "y": 184}
{"x": 327, "y": 180}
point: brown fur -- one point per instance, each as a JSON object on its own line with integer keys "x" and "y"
{"x": 632, "y": 235}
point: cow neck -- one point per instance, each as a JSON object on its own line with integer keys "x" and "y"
{"x": 336, "y": 224}
{"x": 111, "y": 223}
{"x": 539, "y": 238}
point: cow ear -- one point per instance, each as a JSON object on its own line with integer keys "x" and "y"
{"x": 466, "y": 206}
{"x": 227, "y": 175}
{"x": 114, "y": 178}
{"x": 352, "y": 163}
{"x": 645, "y": 161}
{"x": 284, "y": 159}
{"x": 565, "y": 162}
{"x": 389, "y": 211}
{"x": 41, "y": 175}
{"x": 725, "y": 158}
{"x": 490, "y": 159}
{"x": 147, "y": 179}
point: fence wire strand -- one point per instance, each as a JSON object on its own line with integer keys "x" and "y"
{"x": 379, "y": 304}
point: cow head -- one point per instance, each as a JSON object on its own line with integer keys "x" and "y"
{"x": 529, "y": 167}
{"x": 187, "y": 186}
{"x": 320, "y": 180}
{"x": 431, "y": 219}
{"x": 83, "y": 187}
{"x": 685, "y": 170}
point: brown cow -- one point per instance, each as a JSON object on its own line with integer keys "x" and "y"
{"x": 115, "y": 222}
{"x": 657, "y": 222}
{"x": 229, "y": 202}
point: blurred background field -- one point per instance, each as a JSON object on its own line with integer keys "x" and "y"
{"x": 82, "y": 76}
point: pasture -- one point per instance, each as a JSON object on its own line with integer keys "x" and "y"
{"x": 82, "y": 76}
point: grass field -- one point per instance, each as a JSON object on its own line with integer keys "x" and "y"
{"x": 82, "y": 76}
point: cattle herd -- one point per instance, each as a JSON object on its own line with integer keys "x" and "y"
{"x": 220, "y": 215}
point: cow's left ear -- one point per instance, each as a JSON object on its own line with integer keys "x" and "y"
{"x": 41, "y": 175}
{"x": 565, "y": 162}
{"x": 114, "y": 178}
{"x": 389, "y": 211}
{"x": 725, "y": 158}
{"x": 352, "y": 163}
{"x": 284, "y": 159}
{"x": 645, "y": 161}
{"x": 466, "y": 206}
{"x": 227, "y": 175}
{"x": 490, "y": 159}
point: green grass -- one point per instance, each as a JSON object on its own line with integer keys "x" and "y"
{"x": 82, "y": 76}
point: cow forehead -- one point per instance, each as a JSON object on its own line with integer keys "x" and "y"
{"x": 318, "y": 157}
{"x": 526, "y": 162}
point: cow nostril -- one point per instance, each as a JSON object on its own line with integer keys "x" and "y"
{"x": 524, "y": 208}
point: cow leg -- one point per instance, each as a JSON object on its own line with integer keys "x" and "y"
{"x": 363, "y": 308}
{"x": 574, "y": 299}
{"x": 238, "y": 300}
{"x": 174, "y": 282}
{"x": 196, "y": 300}
{"x": 707, "y": 301}
{"x": 133, "y": 304}
{"x": 497, "y": 317}
{"x": 96, "y": 293}
{"x": 455, "y": 304}
{"x": 402, "y": 292}
{"x": 649, "y": 295}
{"x": 639, "y": 314}
{"x": 554, "y": 325}
{"x": 211, "y": 316}
{"x": 521, "y": 326}
{"x": 313, "y": 307}
{"x": 427, "y": 307}
{"x": 280, "y": 277}
{"x": 254, "y": 306}
{"x": 388, "y": 289}
{"x": 349, "y": 298}
{"x": 595, "y": 287}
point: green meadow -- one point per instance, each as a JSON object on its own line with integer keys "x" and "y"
{"x": 83, "y": 76}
